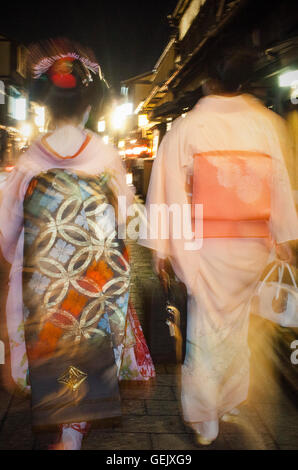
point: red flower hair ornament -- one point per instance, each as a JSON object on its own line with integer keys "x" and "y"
{"x": 61, "y": 73}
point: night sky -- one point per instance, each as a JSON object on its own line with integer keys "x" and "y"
{"x": 127, "y": 37}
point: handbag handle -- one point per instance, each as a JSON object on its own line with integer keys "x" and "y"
{"x": 291, "y": 274}
{"x": 165, "y": 280}
{"x": 281, "y": 270}
{"x": 281, "y": 267}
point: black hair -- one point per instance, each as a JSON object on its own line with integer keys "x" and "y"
{"x": 233, "y": 68}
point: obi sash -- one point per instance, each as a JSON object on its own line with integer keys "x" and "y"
{"x": 234, "y": 188}
{"x": 75, "y": 294}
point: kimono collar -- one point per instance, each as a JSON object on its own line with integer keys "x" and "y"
{"x": 226, "y": 104}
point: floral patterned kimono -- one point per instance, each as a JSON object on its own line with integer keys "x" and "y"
{"x": 219, "y": 145}
{"x": 82, "y": 336}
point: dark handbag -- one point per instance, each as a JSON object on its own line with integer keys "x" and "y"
{"x": 173, "y": 318}
{"x": 165, "y": 309}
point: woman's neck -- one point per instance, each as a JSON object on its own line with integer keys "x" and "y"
{"x": 67, "y": 138}
{"x": 66, "y": 123}
{"x": 230, "y": 95}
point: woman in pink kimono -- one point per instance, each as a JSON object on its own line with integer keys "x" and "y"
{"x": 231, "y": 149}
{"x": 73, "y": 333}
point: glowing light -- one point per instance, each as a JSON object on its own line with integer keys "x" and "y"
{"x": 106, "y": 139}
{"x": 138, "y": 109}
{"x": 155, "y": 144}
{"x": 101, "y": 126}
{"x": 288, "y": 79}
{"x": 128, "y": 178}
{"x": 20, "y": 109}
{"x": 124, "y": 90}
{"x": 118, "y": 120}
{"x": 9, "y": 168}
{"x": 127, "y": 108}
{"x": 26, "y": 130}
{"x": 143, "y": 120}
{"x": 120, "y": 114}
{"x": 138, "y": 150}
{"x": 133, "y": 141}
{"x": 121, "y": 144}
{"x": 40, "y": 117}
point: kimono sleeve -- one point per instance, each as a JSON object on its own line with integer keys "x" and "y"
{"x": 167, "y": 193}
{"x": 11, "y": 212}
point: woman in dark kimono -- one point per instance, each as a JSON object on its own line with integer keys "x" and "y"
{"x": 69, "y": 282}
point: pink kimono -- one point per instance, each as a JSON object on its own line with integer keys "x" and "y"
{"x": 243, "y": 212}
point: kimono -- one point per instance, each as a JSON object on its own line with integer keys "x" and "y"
{"x": 201, "y": 160}
{"x": 73, "y": 332}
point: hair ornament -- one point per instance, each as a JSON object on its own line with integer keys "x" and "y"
{"x": 45, "y": 64}
{"x": 61, "y": 73}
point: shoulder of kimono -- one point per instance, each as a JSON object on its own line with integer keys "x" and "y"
{"x": 273, "y": 118}
{"x": 27, "y": 158}
{"x": 185, "y": 128}
{"x": 278, "y": 122}
{"x": 182, "y": 125}
{"x": 97, "y": 144}
{"x": 277, "y": 127}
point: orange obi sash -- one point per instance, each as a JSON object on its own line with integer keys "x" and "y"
{"x": 234, "y": 188}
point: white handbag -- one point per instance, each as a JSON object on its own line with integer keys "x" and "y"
{"x": 277, "y": 301}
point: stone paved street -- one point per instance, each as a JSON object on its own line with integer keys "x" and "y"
{"x": 151, "y": 413}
